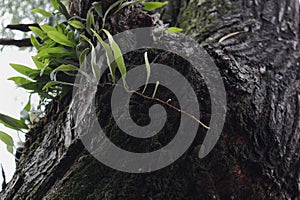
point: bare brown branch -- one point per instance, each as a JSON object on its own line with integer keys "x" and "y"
{"x": 19, "y": 43}
{"x": 21, "y": 27}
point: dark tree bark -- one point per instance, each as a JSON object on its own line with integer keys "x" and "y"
{"x": 255, "y": 45}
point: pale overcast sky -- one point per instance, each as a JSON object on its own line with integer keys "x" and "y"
{"x": 12, "y": 99}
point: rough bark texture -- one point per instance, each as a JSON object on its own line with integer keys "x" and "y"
{"x": 257, "y": 156}
{"x": 261, "y": 71}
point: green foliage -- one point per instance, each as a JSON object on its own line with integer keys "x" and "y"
{"x": 12, "y": 122}
{"x": 174, "y": 30}
{"x": 55, "y": 4}
{"x": 148, "y": 6}
{"x": 118, "y": 56}
{"x": 95, "y": 68}
{"x": 62, "y": 68}
{"x": 60, "y": 38}
{"x": 40, "y": 33}
{"x": 35, "y": 42}
{"x": 56, "y": 46}
{"x": 62, "y": 9}
{"x": 7, "y": 139}
{"x": 109, "y": 56}
{"x": 46, "y": 28}
{"x": 15, "y": 124}
{"x": 61, "y": 49}
{"x": 98, "y": 8}
{"x": 42, "y": 12}
{"x": 19, "y": 80}
{"x": 76, "y": 24}
{"x": 54, "y": 83}
{"x": 31, "y": 73}
{"x": 90, "y": 21}
{"x": 154, "y": 5}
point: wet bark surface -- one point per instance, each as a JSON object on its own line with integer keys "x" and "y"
{"x": 255, "y": 45}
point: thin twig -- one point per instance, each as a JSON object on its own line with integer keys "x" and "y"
{"x": 161, "y": 101}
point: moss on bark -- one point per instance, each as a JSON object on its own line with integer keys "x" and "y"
{"x": 201, "y": 18}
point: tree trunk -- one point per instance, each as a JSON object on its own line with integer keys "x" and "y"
{"x": 255, "y": 45}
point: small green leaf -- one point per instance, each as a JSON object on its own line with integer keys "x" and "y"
{"x": 31, "y": 73}
{"x": 46, "y": 28}
{"x": 32, "y": 86}
{"x": 42, "y": 12}
{"x": 46, "y": 65}
{"x": 62, "y": 68}
{"x": 55, "y": 4}
{"x": 49, "y": 43}
{"x": 90, "y": 21}
{"x": 21, "y": 69}
{"x": 109, "y": 56}
{"x": 76, "y": 24}
{"x": 95, "y": 67}
{"x": 83, "y": 55}
{"x": 60, "y": 38}
{"x": 19, "y": 80}
{"x": 28, "y": 105}
{"x": 155, "y": 89}
{"x": 61, "y": 28}
{"x": 118, "y": 56}
{"x": 50, "y": 84}
{"x": 24, "y": 113}
{"x": 10, "y": 149}
{"x": 174, "y": 30}
{"x": 63, "y": 10}
{"x": 38, "y": 64}
{"x": 154, "y": 5}
{"x": 98, "y": 9}
{"x": 12, "y": 122}
{"x": 38, "y": 31}
{"x": 7, "y": 139}
{"x": 148, "y": 68}
{"x": 35, "y": 42}
{"x": 71, "y": 37}
{"x": 55, "y": 51}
